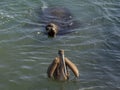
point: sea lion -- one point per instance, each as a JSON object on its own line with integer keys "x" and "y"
{"x": 58, "y": 21}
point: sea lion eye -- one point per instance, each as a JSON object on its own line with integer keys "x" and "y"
{"x": 47, "y": 28}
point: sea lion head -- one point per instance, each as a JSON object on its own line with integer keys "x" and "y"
{"x": 52, "y": 29}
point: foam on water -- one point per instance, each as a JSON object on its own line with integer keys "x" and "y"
{"x": 45, "y": 5}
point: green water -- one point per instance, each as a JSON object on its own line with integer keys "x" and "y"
{"x": 94, "y": 47}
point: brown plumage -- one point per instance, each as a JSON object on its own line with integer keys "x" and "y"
{"x": 58, "y": 69}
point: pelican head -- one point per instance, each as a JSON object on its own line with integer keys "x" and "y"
{"x": 52, "y": 29}
{"x": 61, "y": 55}
{"x": 61, "y": 52}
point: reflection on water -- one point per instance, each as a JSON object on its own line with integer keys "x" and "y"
{"x": 93, "y": 47}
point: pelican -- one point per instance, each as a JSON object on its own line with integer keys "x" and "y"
{"x": 58, "y": 69}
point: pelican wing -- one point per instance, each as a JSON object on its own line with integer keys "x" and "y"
{"x": 52, "y": 67}
{"x": 72, "y": 66}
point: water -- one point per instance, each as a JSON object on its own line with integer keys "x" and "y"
{"x": 94, "y": 47}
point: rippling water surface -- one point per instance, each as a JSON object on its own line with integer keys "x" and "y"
{"x": 94, "y": 47}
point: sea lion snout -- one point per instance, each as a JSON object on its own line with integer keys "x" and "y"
{"x": 51, "y": 29}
